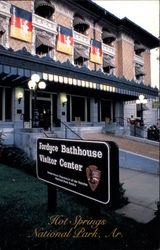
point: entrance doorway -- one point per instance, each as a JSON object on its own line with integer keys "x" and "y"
{"x": 78, "y": 108}
{"x": 44, "y": 110}
{"x": 105, "y": 110}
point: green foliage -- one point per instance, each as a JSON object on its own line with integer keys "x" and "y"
{"x": 123, "y": 200}
{"x": 17, "y": 158}
{"x": 157, "y": 212}
{"x": 1, "y": 138}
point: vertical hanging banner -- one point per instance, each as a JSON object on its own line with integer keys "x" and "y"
{"x": 96, "y": 52}
{"x": 21, "y": 24}
{"x": 65, "y": 40}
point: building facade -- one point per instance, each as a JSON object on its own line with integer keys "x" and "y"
{"x": 90, "y": 60}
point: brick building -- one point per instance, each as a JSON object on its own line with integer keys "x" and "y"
{"x": 78, "y": 89}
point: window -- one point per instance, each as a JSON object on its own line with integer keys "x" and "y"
{"x": 108, "y": 37}
{"x": 8, "y": 104}
{"x": 78, "y": 108}
{"x": 26, "y": 106}
{"x": 1, "y": 101}
{"x": 44, "y": 8}
{"x": 81, "y": 55}
{"x": 68, "y": 108}
{"x": 80, "y": 24}
{"x": 88, "y": 110}
{"x": 45, "y": 44}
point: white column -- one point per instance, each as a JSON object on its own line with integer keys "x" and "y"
{"x": 18, "y": 108}
{"x": 94, "y": 110}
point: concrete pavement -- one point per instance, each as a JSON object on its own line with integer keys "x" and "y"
{"x": 142, "y": 190}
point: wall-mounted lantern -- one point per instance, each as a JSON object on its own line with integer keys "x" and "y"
{"x": 63, "y": 98}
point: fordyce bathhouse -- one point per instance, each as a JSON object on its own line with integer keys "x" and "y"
{"x": 90, "y": 60}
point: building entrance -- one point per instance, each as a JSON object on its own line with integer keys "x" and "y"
{"x": 78, "y": 108}
{"x": 105, "y": 110}
{"x": 44, "y": 110}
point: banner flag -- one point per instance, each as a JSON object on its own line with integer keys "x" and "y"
{"x": 65, "y": 40}
{"x": 96, "y": 51}
{"x": 21, "y": 24}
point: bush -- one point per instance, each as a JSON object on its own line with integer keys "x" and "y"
{"x": 17, "y": 158}
{"x": 153, "y": 133}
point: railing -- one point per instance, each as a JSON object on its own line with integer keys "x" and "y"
{"x": 138, "y": 59}
{"x": 80, "y": 38}
{"x": 136, "y": 130}
{"x": 44, "y": 24}
{"x": 42, "y": 131}
{"x": 108, "y": 49}
{"x": 5, "y": 8}
{"x": 68, "y": 128}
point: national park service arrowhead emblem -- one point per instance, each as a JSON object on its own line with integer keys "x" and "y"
{"x": 93, "y": 176}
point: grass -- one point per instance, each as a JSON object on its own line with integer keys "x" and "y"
{"x": 23, "y": 212}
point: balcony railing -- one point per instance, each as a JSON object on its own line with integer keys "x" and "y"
{"x": 80, "y": 38}
{"x": 108, "y": 49}
{"x": 138, "y": 59}
{"x": 44, "y": 24}
{"x": 5, "y": 8}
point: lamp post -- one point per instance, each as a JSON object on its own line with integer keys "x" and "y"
{"x": 141, "y": 101}
{"x": 34, "y": 84}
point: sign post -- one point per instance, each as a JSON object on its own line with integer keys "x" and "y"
{"x": 81, "y": 167}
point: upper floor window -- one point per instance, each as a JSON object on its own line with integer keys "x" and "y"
{"x": 81, "y": 55}
{"x": 5, "y": 104}
{"x": 138, "y": 48}
{"x": 44, "y": 44}
{"x": 139, "y": 73}
{"x": 80, "y": 24}
{"x": 108, "y": 65}
{"x": 108, "y": 37}
{"x": 44, "y": 8}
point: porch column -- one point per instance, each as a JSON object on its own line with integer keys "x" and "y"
{"x": 18, "y": 108}
{"x": 119, "y": 112}
{"x": 94, "y": 110}
{"x": 61, "y": 107}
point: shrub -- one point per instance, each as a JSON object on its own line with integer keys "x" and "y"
{"x": 17, "y": 158}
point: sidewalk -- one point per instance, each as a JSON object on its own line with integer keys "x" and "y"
{"x": 142, "y": 189}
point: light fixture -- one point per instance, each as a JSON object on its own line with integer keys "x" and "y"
{"x": 83, "y": 83}
{"x": 20, "y": 96}
{"x": 70, "y": 81}
{"x": 79, "y": 83}
{"x": 74, "y": 81}
{"x": 65, "y": 80}
{"x": 50, "y": 77}
{"x": 141, "y": 101}
{"x": 45, "y": 76}
{"x": 94, "y": 85}
{"x": 87, "y": 84}
{"x": 91, "y": 85}
{"x": 34, "y": 84}
{"x": 61, "y": 79}
{"x": 31, "y": 84}
{"x": 42, "y": 85}
{"x": 55, "y": 77}
{"x": 63, "y": 98}
{"x": 35, "y": 78}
